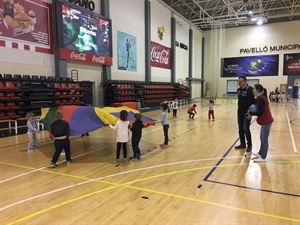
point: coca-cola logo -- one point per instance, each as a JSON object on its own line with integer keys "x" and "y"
{"x": 160, "y": 55}
{"x": 78, "y": 56}
{"x": 98, "y": 59}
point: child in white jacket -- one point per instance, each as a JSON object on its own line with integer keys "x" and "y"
{"x": 122, "y": 128}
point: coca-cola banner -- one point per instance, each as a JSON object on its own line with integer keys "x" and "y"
{"x": 26, "y": 25}
{"x": 84, "y": 57}
{"x": 160, "y": 56}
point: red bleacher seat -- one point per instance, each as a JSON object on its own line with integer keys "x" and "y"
{"x": 71, "y": 86}
{"x": 64, "y": 85}
{"x": 77, "y": 86}
{"x": 3, "y": 116}
{"x": 2, "y": 86}
{"x": 10, "y": 85}
{"x": 12, "y": 114}
{"x": 56, "y": 85}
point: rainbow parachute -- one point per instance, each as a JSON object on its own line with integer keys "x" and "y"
{"x": 84, "y": 119}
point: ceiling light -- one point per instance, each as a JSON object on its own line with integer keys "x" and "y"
{"x": 259, "y": 22}
{"x": 259, "y": 19}
{"x": 249, "y": 10}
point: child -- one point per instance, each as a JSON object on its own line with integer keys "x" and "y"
{"x": 211, "y": 110}
{"x": 122, "y": 135}
{"x": 60, "y": 131}
{"x": 136, "y": 130}
{"x": 164, "y": 121}
{"x": 192, "y": 111}
{"x": 32, "y": 129}
{"x": 175, "y": 107}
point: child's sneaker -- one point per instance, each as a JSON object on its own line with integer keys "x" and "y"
{"x": 69, "y": 161}
{"x": 133, "y": 158}
{"x": 53, "y": 165}
{"x": 117, "y": 162}
{"x": 165, "y": 146}
{"x": 125, "y": 160}
{"x": 29, "y": 150}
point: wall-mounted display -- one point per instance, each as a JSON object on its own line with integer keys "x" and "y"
{"x": 26, "y": 25}
{"x": 83, "y": 35}
{"x": 291, "y": 64}
{"x": 264, "y": 65}
{"x": 127, "y": 52}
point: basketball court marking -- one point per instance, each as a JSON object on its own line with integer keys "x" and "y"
{"x": 88, "y": 180}
{"x": 291, "y": 132}
{"x": 41, "y": 168}
{"x": 86, "y": 153}
{"x": 156, "y": 192}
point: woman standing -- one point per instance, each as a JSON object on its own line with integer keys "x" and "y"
{"x": 265, "y": 119}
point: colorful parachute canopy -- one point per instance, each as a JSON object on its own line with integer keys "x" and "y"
{"x": 84, "y": 119}
{"x": 115, "y": 111}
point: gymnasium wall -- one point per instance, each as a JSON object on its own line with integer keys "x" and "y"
{"x": 233, "y": 39}
{"x": 128, "y": 17}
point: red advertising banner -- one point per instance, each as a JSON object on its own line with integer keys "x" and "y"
{"x": 26, "y": 25}
{"x": 160, "y": 56}
{"x": 84, "y": 57}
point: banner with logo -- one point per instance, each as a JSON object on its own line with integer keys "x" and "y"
{"x": 127, "y": 52}
{"x": 262, "y": 65}
{"x": 84, "y": 57}
{"x": 26, "y": 25}
{"x": 291, "y": 64}
{"x": 160, "y": 56}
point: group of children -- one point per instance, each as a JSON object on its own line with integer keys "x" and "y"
{"x": 60, "y": 131}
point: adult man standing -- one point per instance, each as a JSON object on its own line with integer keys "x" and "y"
{"x": 245, "y": 99}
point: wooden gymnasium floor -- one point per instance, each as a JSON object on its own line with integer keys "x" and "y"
{"x": 200, "y": 179}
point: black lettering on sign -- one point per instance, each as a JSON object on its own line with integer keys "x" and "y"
{"x": 88, "y": 4}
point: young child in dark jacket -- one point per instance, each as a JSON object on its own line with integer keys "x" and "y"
{"x": 136, "y": 130}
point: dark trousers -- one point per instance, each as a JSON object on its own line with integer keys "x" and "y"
{"x": 191, "y": 116}
{"x": 174, "y": 112}
{"x": 60, "y": 145}
{"x": 244, "y": 129}
{"x": 166, "y": 129}
{"x": 211, "y": 113}
{"x": 119, "y": 144}
{"x": 135, "y": 147}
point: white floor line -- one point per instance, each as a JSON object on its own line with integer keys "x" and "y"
{"x": 122, "y": 173}
{"x": 41, "y": 168}
{"x": 291, "y": 132}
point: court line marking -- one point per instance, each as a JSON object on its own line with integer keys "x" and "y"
{"x": 24, "y": 174}
{"x": 41, "y": 168}
{"x": 157, "y": 192}
{"x": 151, "y": 131}
{"x": 291, "y": 132}
{"x": 88, "y": 180}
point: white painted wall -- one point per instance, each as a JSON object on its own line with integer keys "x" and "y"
{"x": 128, "y": 17}
{"x": 234, "y": 39}
{"x": 160, "y": 16}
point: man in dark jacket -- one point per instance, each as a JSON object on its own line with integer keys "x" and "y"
{"x": 245, "y": 99}
{"x": 136, "y": 130}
